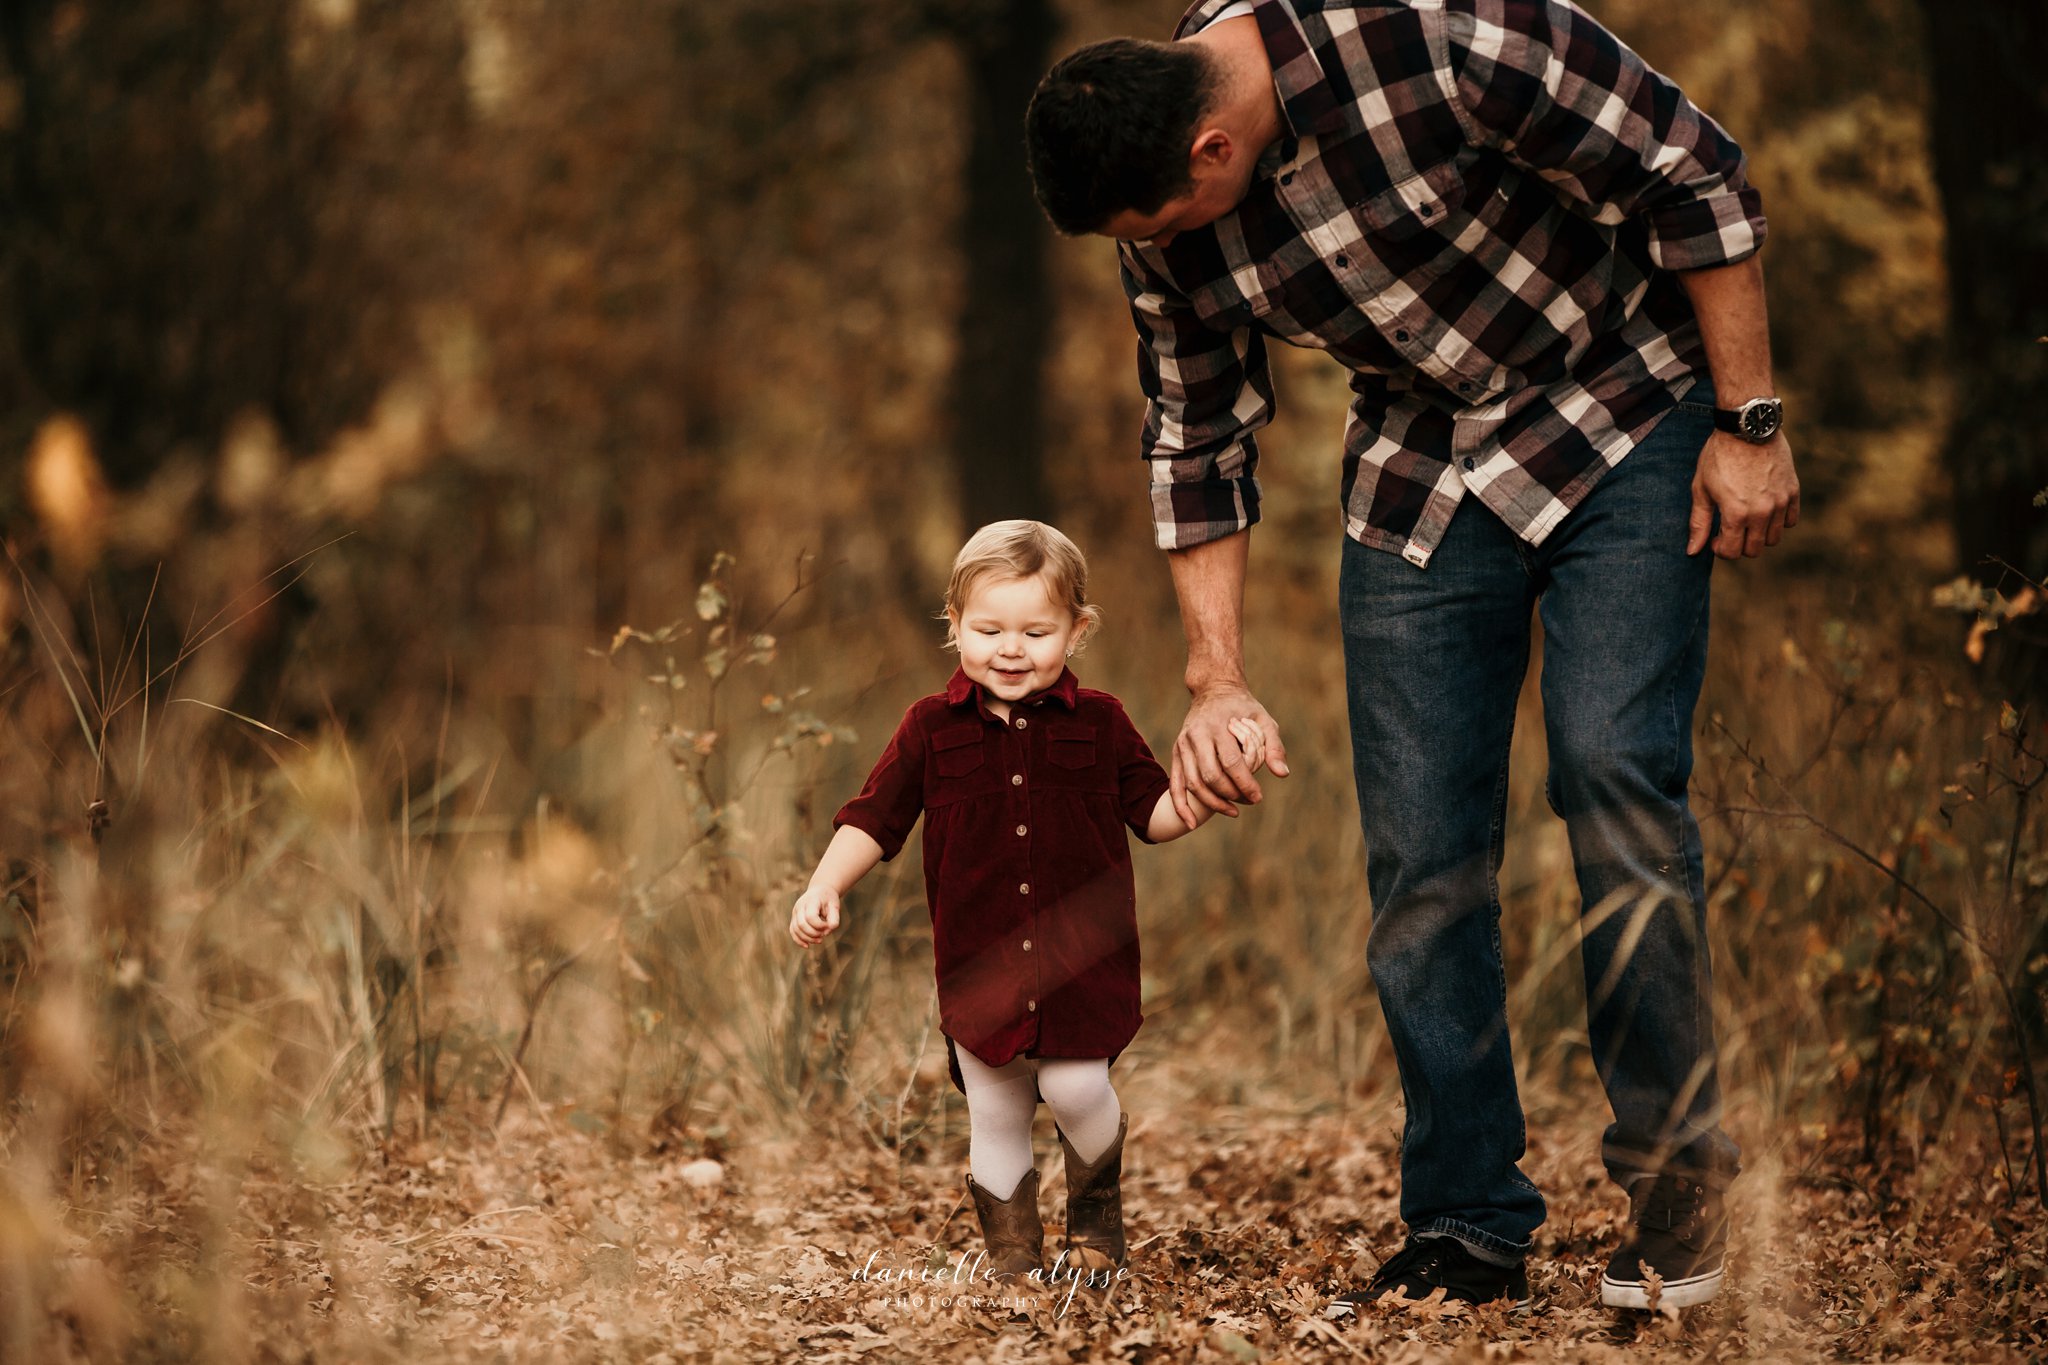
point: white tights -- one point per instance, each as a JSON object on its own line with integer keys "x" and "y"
{"x": 1000, "y": 1108}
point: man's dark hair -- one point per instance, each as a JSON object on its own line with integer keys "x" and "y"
{"x": 1110, "y": 129}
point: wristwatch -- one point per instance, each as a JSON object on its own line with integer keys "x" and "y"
{"x": 1756, "y": 421}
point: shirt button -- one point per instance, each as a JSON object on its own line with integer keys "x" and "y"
{"x": 1020, "y": 722}
{"x": 1343, "y": 261}
{"x": 1022, "y": 831}
{"x": 1027, "y": 945}
{"x": 1287, "y": 179}
{"x": 1023, "y": 888}
{"x": 1464, "y": 388}
{"x": 1400, "y": 336}
{"x": 1468, "y": 462}
{"x": 1030, "y": 1004}
{"x": 1016, "y": 779}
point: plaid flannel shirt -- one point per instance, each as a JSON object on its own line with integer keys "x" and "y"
{"x": 1475, "y": 206}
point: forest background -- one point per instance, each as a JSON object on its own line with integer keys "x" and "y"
{"x": 478, "y": 477}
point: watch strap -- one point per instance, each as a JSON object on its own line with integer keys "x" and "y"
{"x": 1731, "y": 419}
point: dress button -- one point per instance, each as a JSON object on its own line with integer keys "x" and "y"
{"x": 1030, "y": 1004}
{"x": 1016, "y": 779}
{"x": 1020, "y": 722}
{"x": 1023, "y": 888}
{"x": 1022, "y": 830}
{"x": 1027, "y": 945}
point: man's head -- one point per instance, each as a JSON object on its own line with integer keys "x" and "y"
{"x": 1124, "y": 140}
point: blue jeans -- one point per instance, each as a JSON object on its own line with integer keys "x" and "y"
{"x": 1434, "y": 659}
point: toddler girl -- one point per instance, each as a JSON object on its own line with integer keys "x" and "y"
{"x": 1024, "y": 779}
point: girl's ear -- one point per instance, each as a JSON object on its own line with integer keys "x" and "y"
{"x": 1074, "y": 641}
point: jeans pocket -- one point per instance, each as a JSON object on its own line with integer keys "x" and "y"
{"x": 1700, "y": 397}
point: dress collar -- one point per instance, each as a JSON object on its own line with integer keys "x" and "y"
{"x": 1307, "y": 102}
{"x": 961, "y": 687}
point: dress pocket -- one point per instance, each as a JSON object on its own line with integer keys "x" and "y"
{"x": 957, "y": 752}
{"x": 1070, "y": 746}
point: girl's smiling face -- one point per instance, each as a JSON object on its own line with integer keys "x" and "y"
{"x": 1014, "y": 639}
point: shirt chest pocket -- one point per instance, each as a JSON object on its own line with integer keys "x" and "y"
{"x": 1416, "y": 220}
{"x": 1070, "y": 746}
{"x": 957, "y": 752}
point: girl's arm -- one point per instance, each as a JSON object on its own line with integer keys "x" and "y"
{"x": 851, "y": 855}
{"x": 1166, "y": 824}
{"x": 869, "y": 829}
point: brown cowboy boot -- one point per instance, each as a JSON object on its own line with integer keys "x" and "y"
{"x": 1012, "y": 1229}
{"x": 1095, "y": 1204}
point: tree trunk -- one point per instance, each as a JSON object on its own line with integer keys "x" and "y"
{"x": 1989, "y": 107}
{"x": 998, "y": 377}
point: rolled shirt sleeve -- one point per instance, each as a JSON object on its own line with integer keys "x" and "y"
{"x": 888, "y": 806}
{"x": 1557, "y": 93}
{"x": 1207, "y": 391}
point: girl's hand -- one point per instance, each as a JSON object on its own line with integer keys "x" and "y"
{"x": 1251, "y": 738}
{"x": 815, "y": 916}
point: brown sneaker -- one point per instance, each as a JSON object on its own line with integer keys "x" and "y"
{"x": 1012, "y": 1229}
{"x": 1095, "y": 1204}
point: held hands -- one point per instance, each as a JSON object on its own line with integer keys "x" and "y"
{"x": 1251, "y": 739}
{"x": 816, "y": 915}
{"x": 1226, "y": 738}
{"x": 1755, "y": 489}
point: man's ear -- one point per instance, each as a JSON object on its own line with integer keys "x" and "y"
{"x": 1211, "y": 151}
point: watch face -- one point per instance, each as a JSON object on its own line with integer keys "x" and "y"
{"x": 1762, "y": 418}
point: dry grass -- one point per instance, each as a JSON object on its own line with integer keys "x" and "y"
{"x": 415, "y": 1038}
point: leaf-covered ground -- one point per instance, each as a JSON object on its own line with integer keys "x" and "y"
{"x": 550, "y": 1242}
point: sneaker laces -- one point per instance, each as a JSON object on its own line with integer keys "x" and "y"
{"x": 1673, "y": 1204}
{"x": 1423, "y": 1255}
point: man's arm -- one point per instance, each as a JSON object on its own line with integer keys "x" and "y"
{"x": 1208, "y": 765}
{"x": 1547, "y": 86}
{"x": 1207, "y": 394}
{"x": 1555, "y": 92}
{"x": 1754, "y": 486}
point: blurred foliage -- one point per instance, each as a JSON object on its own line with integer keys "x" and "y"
{"x": 554, "y": 288}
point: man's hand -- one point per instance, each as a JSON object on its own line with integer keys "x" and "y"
{"x": 1755, "y": 490}
{"x": 1208, "y": 763}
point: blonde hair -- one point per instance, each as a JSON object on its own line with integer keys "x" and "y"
{"x": 1022, "y": 549}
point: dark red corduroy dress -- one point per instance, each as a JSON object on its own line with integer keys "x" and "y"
{"x": 1027, "y": 868}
